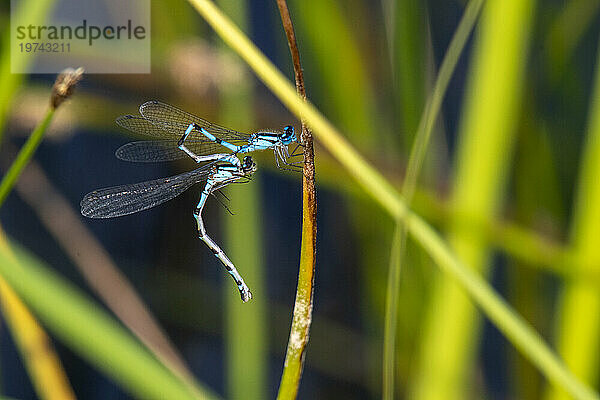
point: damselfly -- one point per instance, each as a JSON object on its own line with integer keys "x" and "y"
{"x": 128, "y": 199}
{"x": 196, "y": 137}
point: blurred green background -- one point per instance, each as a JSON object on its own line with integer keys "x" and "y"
{"x": 510, "y": 179}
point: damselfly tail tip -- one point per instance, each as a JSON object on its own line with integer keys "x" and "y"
{"x": 246, "y": 295}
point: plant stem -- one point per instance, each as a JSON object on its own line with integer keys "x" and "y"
{"x": 578, "y": 314}
{"x": 299, "y": 332}
{"x": 417, "y": 155}
{"x": 486, "y": 141}
{"x": 391, "y": 311}
{"x": 25, "y": 154}
{"x": 61, "y": 90}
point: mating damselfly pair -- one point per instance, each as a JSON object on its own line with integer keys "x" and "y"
{"x": 181, "y": 134}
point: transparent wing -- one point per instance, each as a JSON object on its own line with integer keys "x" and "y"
{"x": 173, "y": 119}
{"x": 150, "y": 151}
{"x": 128, "y": 199}
{"x": 165, "y": 150}
{"x": 137, "y": 124}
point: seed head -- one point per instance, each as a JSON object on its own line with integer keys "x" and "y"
{"x": 64, "y": 85}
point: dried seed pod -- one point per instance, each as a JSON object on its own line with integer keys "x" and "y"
{"x": 64, "y": 85}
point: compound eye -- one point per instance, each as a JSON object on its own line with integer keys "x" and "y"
{"x": 248, "y": 162}
{"x": 288, "y": 132}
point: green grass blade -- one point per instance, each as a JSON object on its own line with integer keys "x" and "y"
{"x": 536, "y": 198}
{"x": 415, "y": 162}
{"x": 37, "y": 351}
{"x": 89, "y": 331}
{"x": 388, "y": 7}
{"x": 25, "y": 154}
{"x": 391, "y": 311}
{"x": 515, "y": 328}
{"x": 61, "y": 90}
{"x": 434, "y": 103}
{"x": 566, "y": 32}
{"x": 448, "y": 346}
{"x": 410, "y": 64}
{"x": 535, "y": 249}
{"x": 579, "y": 306}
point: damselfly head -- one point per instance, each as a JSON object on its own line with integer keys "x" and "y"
{"x": 248, "y": 165}
{"x": 288, "y": 136}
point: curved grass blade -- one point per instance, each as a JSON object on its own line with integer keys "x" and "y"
{"x": 488, "y": 128}
{"x": 90, "y": 331}
{"x": 417, "y": 156}
{"x": 62, "y": 89}
{"x": 578, "y": 328}
{"x": 25, "y": 154}
{"x": 37, "y": 350}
